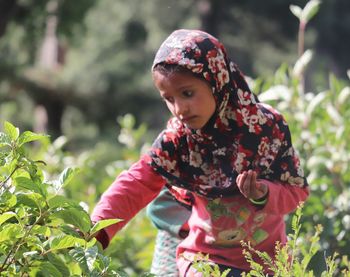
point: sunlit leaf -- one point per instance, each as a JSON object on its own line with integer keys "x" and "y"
{"x": 302, "y": 63}
{"x": 28, "y": 184}
{"x": 8, "y": 199}
{"x": 60, "y": 201}
{"x": 315, "y": 102}
{"x": 86, "y": 258}
{"x": 5, "y": 216}
{"x": 278, "y": 92}
{"x": 30, "y": 253}
{"x": 310, "y": 10}
{"x": 42, "y": 230}
{"x": 334, "y": 114}
{"x": 64, "y": 242}
{"x": 67, "y": 175}
{"x": 29, "y": 136}
{"x": 11, "y": 232}
{"x": 296, "y": 10}
{"x": 103, "y": 224}
{"x": 5, "y": 139}
{"x": 344, "y": 95}
{"x": 76, "y": 217}
{"x": 78, "y": 254}
{"x": 30, "y": 199}
{"x": 11, "y": 130}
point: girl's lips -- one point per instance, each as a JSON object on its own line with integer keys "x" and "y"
{"x": 188, "y": 118}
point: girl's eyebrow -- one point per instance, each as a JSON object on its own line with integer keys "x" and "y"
{"x": 185, "y": 86}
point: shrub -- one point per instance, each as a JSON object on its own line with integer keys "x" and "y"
{"x": 42, "y": 232}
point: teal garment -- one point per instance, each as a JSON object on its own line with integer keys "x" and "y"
{"x": 168, "y": 214}
{"x": 164, "y": 257}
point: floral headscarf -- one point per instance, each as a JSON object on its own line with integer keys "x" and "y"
{"x": 242, "y": 134}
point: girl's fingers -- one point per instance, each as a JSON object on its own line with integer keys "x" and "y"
{"x": 238, "y": 179}
{"x": 248, "y": 185}
{"x": 253, "y": 180}
{"x": 240, "y": 182}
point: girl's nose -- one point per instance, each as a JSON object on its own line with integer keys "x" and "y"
{"x": 180, "y": 108}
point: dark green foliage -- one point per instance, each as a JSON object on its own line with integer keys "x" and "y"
{"x": 42, "y": 233}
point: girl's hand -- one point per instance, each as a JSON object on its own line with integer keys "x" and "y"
{"x": 250, "y": 187}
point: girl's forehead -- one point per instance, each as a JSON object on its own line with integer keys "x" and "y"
{"x": 174, "y": 79}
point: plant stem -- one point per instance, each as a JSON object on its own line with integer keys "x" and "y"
{"x": 17, "y": 246}
{"x": 301, "y": 45}
{"x": 301, "y": 38}
{"x": 8, "y": 177}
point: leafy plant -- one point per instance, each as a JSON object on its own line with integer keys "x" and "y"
{"x": 319, "y": 123}
{"x": 202, "y": 264}
{"x": 42, "y": 232}
{"x": 293, "y": 259}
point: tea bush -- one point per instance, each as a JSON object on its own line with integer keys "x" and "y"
{"x": 42, "y": 232}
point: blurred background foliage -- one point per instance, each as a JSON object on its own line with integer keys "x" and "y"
{"x": 80, "y": 72}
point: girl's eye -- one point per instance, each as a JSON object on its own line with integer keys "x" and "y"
{"x": 188, "y": 93}
{"x": 168, "y": 99}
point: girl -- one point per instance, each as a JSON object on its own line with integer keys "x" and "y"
{"x": 224, "y": 153}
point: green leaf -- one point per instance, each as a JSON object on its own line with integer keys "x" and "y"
{"x": 75, "y": 216}
{"x": 65, "y": 241}
{"x": 121, "y": 273}
{"x": 91, "y": 255}
{"x": 334, "y": 114}
{"x": 67, "y": 175}
{"x": 59, "y": 264}
{"x": 60, "y": 201}
{"x": 4, "y": 139}
{"x": 28, "y": 184}
{"x": 296, "y": 10}
{"x": 103, "y": 224}
{"x": 315, "y": 102}
{"x": 49, "y": 270}
{"x": 11, "y": 232}
{"x": 302, "y": 63}
{"x": 8, "y": 199}
{"x": 310, "y": 10}
{"x": 86, "y": 258}
{"x": 5, "y": 216}
{"x": 78, "y": 254}
{"x": 29, "y": 136}
{"x": 42, "y": 230}
{"x": 343, "y": 95}
{"x": 30, "y": 253}
{"x": 278, "y": 92}
{"x": 30, "y": 199}
{"x": 11, "y": 130}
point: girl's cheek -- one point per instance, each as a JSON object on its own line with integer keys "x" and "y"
{"x": 170, "y": 108}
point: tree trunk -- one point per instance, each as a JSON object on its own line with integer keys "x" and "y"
{"x": 7, "y": 9}
{"x": 209, "y": 11}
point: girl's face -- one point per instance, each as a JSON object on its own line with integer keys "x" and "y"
{"x": 188, "y": 98}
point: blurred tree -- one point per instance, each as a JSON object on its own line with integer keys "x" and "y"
{"x": 7, "y": 9}
{"x": 31, "y": 27}
{"x": 87, "y": 62}
{"x": 333, "y": 35}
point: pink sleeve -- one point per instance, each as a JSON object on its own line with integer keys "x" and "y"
{"x": 128, "y": 194}
{"x": 284, "y": 198}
